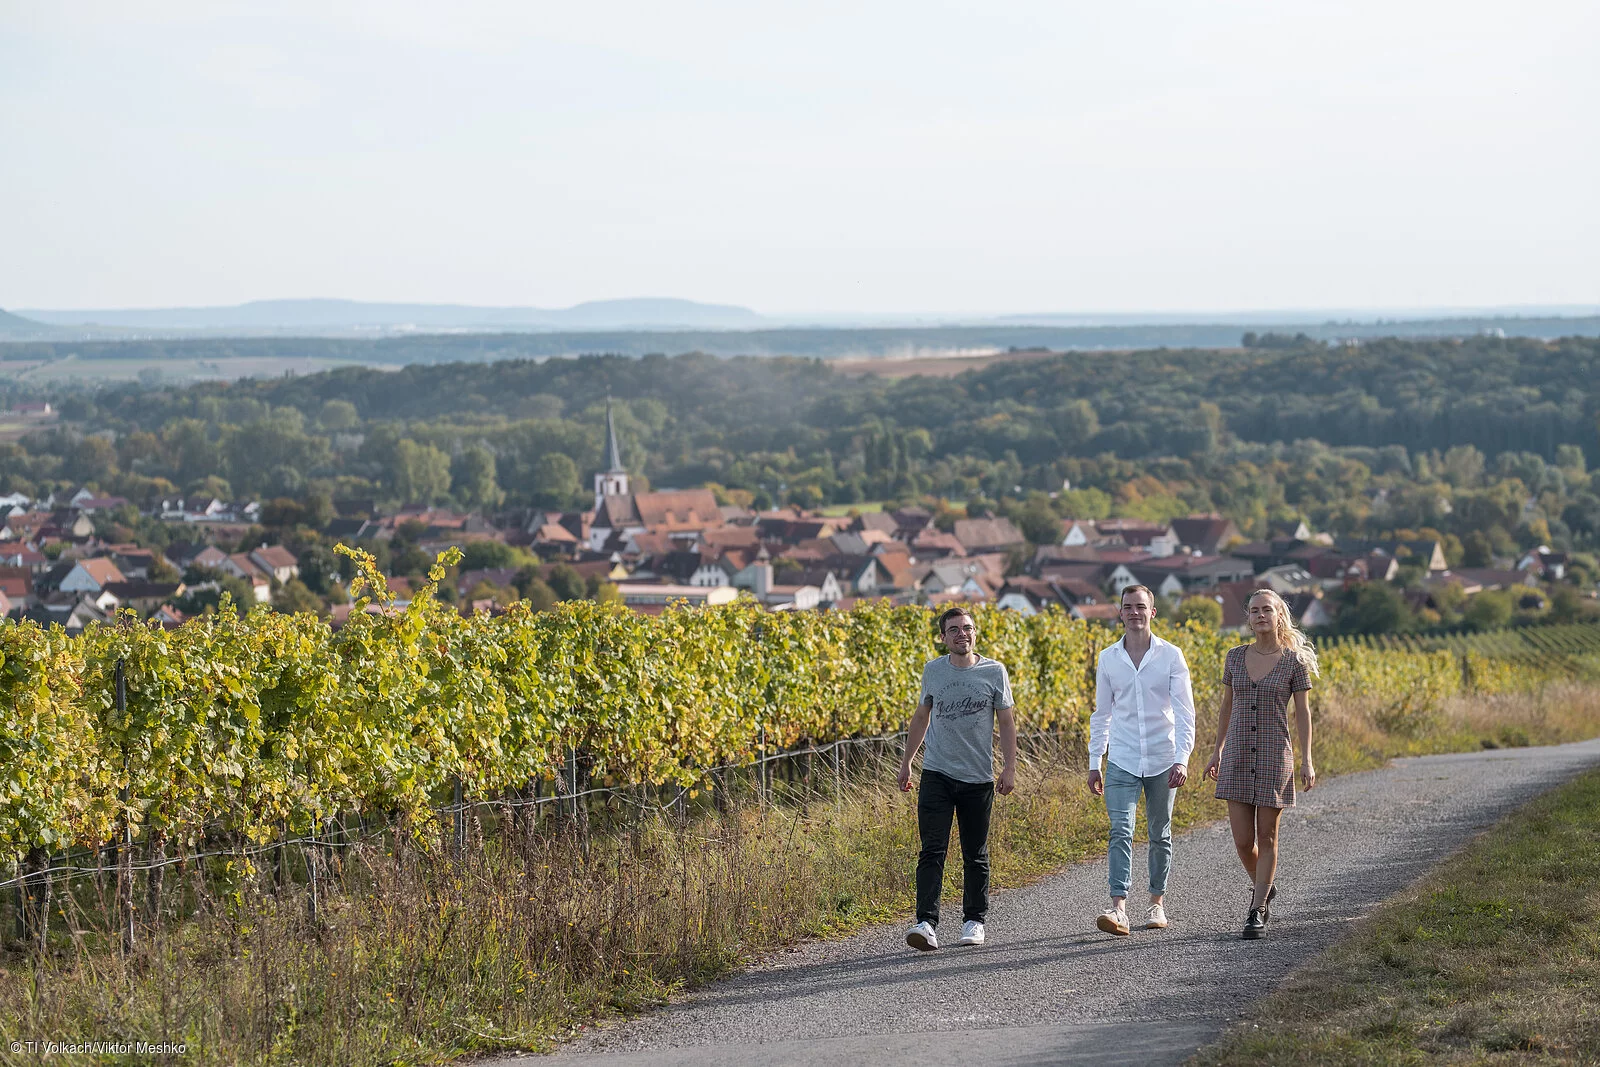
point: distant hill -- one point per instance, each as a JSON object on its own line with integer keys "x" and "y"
{"x": 17, "y": 328}
{"x": 354, "y": 315}
{"x": 450, "y": 346}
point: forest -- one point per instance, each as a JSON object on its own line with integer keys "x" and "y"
{"x": 1487, "y": 439}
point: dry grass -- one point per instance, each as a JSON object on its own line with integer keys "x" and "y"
{"x": 422, "y": 957}
{"x": 1494, "y": 958}
{"x": 1349, "y": 731}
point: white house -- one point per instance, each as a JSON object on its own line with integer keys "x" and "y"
{"x": 90, "y": 576}
{"x": 1077, "y": 532}
{"x": 277, "y": 561}
{"x": 645, "y": 594}
{"x": 713, "y": 573}
{"x": 240, "y": 565}
{"x": 794, "y": 598}
{"x": 1121, "y": 577}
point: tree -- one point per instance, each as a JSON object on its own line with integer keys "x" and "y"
{"x": 420, "y": 474}
{"x": 1476, "y": 550}
{"x": 1075, "y": 423}
{"x": 555, "y": 480}
{"x": 1463, "y": 466}
{"x": 1489, "y": 610}
{"x": 1203, "y": 608}
{"x": 806, "y": 496}
{"x": 1038, "y": 521}
{"x": 92, "y": 459}
{"x": 339, "y": 415}
{"x": 295, "y": 597}
{"x": 1571, "y": 460}
{"x": 1083, "y": 504}
{"x": 319, "y": 569}
{"x": 212, "y": 486}
{"x": 1373, "y": 608}
{"x": 472, "y": 479}
{"x": 566, "y": 583}
{"x": 538, "y": 593}
{"x": 273, "y": 453}
{"x": 282, "y": 513}
{"x": 1565, "y": 604}
{"x": 484, "y": 555}
{"x": 205, "y": 601}
{"x": 410, "y": 562}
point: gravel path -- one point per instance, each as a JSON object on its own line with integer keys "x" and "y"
{"x": 1049, "y": 988}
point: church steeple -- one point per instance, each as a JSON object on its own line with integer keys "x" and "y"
{"x": 613, "y": 453}
{"x": 613, "y": 479}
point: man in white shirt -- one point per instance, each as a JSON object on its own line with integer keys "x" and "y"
{"x": 1143, "y": 721}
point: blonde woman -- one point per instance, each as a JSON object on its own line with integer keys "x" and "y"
{"x": 1253, "y": 761}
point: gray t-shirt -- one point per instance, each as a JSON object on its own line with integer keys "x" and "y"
{"x": 960, "y": 741}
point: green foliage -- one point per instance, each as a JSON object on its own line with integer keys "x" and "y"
{"x": 566, "y": 583}
{"x": 420, "y": 473}
{"x": 1201, "y": 609}
{"x": 555, "y": 480}
{"x": 296, "y": 596}
{"x": 1489, "y": 610}
{"x": 247, "y": 722}
{"x": 484, "y": 555}
{"x": 1373, "y": 607}
{"x": 473, "y": 480}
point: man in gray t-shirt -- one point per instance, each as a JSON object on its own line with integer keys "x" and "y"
{"x": 964, "y": 696}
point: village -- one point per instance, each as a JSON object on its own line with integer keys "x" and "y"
{"x": 62, "y": 563}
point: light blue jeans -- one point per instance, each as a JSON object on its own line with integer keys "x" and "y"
{"x": 1122, "y": 801}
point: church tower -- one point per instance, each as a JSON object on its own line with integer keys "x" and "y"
{"x": 613, "y": 479}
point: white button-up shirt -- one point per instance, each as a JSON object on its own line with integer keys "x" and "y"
{"x": 1144, "y": 715}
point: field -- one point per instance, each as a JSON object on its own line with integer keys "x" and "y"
{"x": 1571, "y": 650}
{"x": 14, "y": 425}
{"x": 71, "y": 368}
{"x": 937, "y": 365}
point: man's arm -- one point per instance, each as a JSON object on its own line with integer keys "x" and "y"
{"x": 916, "y": 730}
{"x": 1007, "y": 719}
{"x": 1099, "y": 727}
{"x": 1181, "y": 688}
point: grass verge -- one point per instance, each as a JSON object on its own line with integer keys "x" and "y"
{"x": 1493, "y": 958}
{"x": 421, "y": 957}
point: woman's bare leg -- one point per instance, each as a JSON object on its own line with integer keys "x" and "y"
{"x": 1266, "y": 834}
{"x": 1242, "y": 820}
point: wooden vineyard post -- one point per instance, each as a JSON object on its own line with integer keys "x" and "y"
{"x": 459, "y": 824}
{"x": 761, "y": 765}
{"x": 313, "y": 901}
{"x": 125, "y": 915}
{"x": 838, "y": 779}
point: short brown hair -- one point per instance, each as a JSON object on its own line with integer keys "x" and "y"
{"x": 950, "y": 613}
{"x": 1145, "y": 589}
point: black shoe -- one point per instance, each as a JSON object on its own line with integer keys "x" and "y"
{"x": 1255, "y": 925}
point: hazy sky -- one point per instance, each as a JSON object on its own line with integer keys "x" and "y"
{"x": 899, "y": 156}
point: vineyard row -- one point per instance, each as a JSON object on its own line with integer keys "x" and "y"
{"x": 264, "y": 723}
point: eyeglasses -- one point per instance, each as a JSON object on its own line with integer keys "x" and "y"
{"x": 961, "y": 630}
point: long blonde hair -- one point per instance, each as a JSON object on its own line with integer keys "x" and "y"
{"x": 1289, "y": 635}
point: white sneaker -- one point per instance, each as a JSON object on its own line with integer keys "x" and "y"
{"x": 1114, "y": 920}
{"x": 1155, "y": 918}
{"x": 971, "y": 933}
{"x": 921, "y": 936}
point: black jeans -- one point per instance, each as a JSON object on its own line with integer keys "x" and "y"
{"x": 938, "y": 798}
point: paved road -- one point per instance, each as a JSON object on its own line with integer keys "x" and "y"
{"x": 1050, "y": 989}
